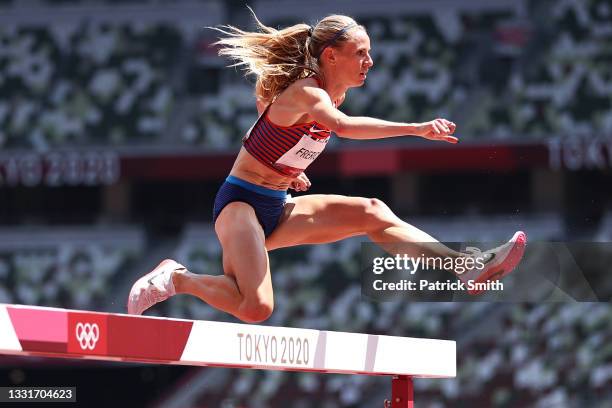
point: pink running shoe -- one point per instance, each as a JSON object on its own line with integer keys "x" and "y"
{"x": 498, "y": 262}
{"x": 154, "y": 287}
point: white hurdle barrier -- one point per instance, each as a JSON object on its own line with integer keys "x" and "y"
{"x": 64, "y": 333}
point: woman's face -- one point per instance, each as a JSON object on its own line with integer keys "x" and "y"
{"x": 352, "y": 59}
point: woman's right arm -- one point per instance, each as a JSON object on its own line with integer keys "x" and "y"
{"x": 317, "y": 103}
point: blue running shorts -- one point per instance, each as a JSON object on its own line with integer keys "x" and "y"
{"x": 267, "y": 203}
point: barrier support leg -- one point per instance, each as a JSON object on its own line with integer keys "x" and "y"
{"x": 402, "y": 392}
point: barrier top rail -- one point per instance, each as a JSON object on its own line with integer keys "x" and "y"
{"x": 31, "y": 330}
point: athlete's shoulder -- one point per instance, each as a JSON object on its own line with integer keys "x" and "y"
{"x": 310, "y": 82}
{"x": 307, "y": 89}
{"x": 305, "y": 85}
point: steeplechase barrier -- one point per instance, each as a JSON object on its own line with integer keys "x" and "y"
{"x": 64, "y": 333}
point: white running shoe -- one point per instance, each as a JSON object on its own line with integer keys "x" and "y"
{"x": 154, "y": 287}
{"x": 498, "y": 262}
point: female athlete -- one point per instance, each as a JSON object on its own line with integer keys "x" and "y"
{"x": 303, "y": 74}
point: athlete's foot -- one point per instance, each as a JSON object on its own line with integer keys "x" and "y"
{"x": 498, "y": 262}
{"x": 154, "y": 287}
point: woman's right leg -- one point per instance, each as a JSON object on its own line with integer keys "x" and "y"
{"x": 245, "y": 289}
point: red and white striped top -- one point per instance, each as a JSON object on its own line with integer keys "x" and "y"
{"x": 289, "y": 150}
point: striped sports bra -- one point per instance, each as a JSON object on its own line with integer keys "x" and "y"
{"x": 288, "y": 150}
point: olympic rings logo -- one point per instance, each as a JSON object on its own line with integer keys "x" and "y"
{"x": 87, "y": 334}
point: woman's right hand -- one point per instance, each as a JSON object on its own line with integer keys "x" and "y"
{"x": 437, "y": 129}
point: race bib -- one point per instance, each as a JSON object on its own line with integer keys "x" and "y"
{"x": 303, "y": 153}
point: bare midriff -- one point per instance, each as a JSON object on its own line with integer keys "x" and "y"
{"x": 248, "y": 168}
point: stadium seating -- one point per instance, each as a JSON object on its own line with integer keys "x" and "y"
{"x": 91, "y": 83}
{"x": 97, "y": 83}
{"x": 71, "y": 267}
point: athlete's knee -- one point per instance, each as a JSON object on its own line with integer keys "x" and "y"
{"x": 376, "y": 213}
{"x": 256, "y": 313}
{"x": 257, "y": 309}
{"x": 375, "y": 205}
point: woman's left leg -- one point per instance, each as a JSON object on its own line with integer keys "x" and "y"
{"x": 322, "y": 218}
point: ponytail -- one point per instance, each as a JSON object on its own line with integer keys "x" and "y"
{"x": 280, "y": 57}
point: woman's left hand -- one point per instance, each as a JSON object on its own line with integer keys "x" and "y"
{"x": 301, "y": 183}
{"x": 438, "y": 129}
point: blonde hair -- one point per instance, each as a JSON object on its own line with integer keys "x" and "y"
{"x": 280, "y": 57}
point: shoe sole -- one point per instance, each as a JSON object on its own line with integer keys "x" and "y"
{"x": 146, "y": 278}
{"x": 513, "y": 258}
